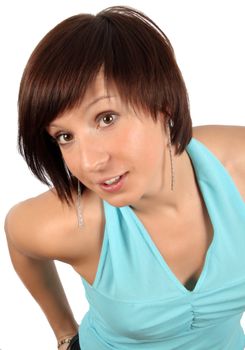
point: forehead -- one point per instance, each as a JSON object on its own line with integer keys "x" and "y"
{"x": 97, "y": 92}
{"x": 98, "y": 88}
{"x": 98, "y": 84}
{"x": 102, "y": 90}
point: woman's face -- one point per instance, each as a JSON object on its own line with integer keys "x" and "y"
{"x": 114, "y": 149}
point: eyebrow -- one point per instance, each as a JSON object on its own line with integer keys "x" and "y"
{"x": 97, "y": 100}
{"x": 90, "y": 104}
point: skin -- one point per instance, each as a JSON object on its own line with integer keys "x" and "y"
{"x": 100, "y": 139}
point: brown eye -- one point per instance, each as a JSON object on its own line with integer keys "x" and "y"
{"x": 64, "y": 138}
{"x": 107, "y": 120}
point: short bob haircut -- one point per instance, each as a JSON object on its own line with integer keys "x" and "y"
{"x": 134, "y": 54}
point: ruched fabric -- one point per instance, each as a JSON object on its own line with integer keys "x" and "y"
{"x": 137, "y": 303}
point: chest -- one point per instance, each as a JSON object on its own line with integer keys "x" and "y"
{"x": 182, "y": 243}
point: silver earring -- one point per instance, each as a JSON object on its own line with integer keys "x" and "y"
{"x": 170, "y": 124}
{"x": 79, "y": 207}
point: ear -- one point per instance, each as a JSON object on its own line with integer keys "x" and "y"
{"x": 167, "y": 120}
{"x": 167, "y": 117}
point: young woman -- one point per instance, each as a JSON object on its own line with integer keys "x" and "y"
{"x": 148, "y": 210}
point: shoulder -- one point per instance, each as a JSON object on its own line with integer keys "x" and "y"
{"x": 227, "y": 143}
{"x": 45, "y": 228}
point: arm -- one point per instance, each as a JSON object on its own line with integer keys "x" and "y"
{"x": 41, "y": 279}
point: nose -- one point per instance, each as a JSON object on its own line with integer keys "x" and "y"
{"x": 93, "y": 157}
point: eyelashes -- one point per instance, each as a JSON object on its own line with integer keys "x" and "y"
{"x": 63, "y": 138}
{"x": 102, "y": 121}
{"x": 106, "y": 119}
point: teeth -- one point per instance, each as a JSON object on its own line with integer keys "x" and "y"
{"x": 111, "y": 181}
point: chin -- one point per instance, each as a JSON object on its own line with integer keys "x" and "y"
{"x": 122, "y": 200}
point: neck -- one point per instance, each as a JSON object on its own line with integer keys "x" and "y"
{"x": 161, "y": 199}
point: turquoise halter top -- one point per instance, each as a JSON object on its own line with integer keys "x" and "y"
{"x": 137, "y": 303}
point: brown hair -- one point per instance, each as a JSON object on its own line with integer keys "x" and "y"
{"x": 134, "y": 53}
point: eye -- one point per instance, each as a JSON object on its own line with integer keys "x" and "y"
{"x": 106, "y": 120}
{"x": 63, "y": 138}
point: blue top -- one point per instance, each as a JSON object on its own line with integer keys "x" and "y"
{"x": 137, "y": 303}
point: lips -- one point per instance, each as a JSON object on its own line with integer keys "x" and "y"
{"x": 113, "y": 180}
{"x": 113, "y": 184}
{"x": 110, "y": 180}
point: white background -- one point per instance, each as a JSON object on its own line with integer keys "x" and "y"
{"x": 208, "y": 37}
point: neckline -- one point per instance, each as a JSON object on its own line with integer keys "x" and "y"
{"x": 206, "y": 200}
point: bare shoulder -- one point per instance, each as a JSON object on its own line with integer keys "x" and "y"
{"x": 44, "y": 227}
{"x": 227, "y": 142}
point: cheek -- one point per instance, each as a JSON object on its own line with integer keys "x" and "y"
{"x": 144, "y": 146}
{"x": 130, "y": 144}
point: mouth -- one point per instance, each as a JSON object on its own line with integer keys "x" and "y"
{"x": 113, "y": 184}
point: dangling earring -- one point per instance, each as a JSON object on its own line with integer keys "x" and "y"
{"x": 78, "y": 204}
{"x": 170, "y": 124}
{"x": 79, "y": 208}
